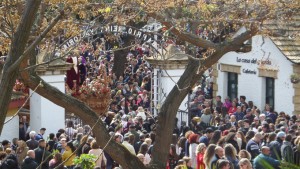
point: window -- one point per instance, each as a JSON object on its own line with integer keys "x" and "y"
{"x": 270, "y": 91}
{"x": 232, "y": 86}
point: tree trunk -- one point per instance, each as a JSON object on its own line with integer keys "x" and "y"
{"x": 119, "y": 62}
{"x": 168, "y": 111}
{"x": 18, "y": 45}
{"x": 120, "y": 57}
{"x": 1, "y": 68}
{"x": 7, "y": 82}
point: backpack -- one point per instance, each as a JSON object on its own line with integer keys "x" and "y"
{"x": 287, "y": 153}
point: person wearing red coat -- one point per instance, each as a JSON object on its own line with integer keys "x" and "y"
{"x": 72, "y": 74}
{"x": 200, "y": 155}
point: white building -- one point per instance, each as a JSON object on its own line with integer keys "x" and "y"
{"x": 44, "y": 113}
{"x": 263, "y": 75}
{"x": 168, "y": 68}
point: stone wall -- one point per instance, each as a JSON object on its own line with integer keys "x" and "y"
{"x": 296, "y": 98}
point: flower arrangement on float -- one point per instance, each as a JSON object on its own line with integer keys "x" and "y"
{"x": 20, "y": 88}
{"x": 95, "y": 93}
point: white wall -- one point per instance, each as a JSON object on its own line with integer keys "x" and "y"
{"x": 35, "y": 111}
{"x": 10, "y": 129}
{"x": 166, "y": 83}
{"x": 252, "y": 86}
{"x": 44, "y": 113}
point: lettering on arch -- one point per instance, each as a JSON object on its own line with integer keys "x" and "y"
{"x": 139, "y": 34}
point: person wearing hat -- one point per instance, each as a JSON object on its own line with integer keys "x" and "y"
{"x": 249, "y": 116}
{"x": 286, "y": 149}
{"x": 39, "y": 136}
{"x": 276, "y": 145}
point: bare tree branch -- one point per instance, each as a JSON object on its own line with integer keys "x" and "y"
{"x": 36, "y": 41}
{"x": 184, "y": 36}
{"x": 17, "y": 48}
{"x": 234, "y": 45}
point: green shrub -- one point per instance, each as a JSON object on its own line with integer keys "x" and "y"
{"x": 86, "y": 161}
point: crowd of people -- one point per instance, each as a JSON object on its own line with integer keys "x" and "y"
{"x": 236, "y": 134}
{"x": 222, "y": 134}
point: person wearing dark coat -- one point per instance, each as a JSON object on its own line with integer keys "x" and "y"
{"x": 41, "y": 154}
{"x": 275, "y": 146}
{"x": 296, "y": 155}
{"x": 139, "y": 143}
{"x": 81, "y": 70}
{"x": 219, "y": 154}
{"x": 249, "y": 116}
{"x": 272, "y": 115}
{"x": 87, "y": 146}
{"x": 239, "y": 115}
{"x": 10, "y": 162}
{"x": 230, "y": 138}
{"x": 29, "y": 162}
{"x": 51, "y": 142}
{"x": 253, "y": 145}
{"x": 286, "y": 149}
{"x": 32, "y": 143}
{"x": 22, "y": 132}
{"x": 132, "y": 130}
